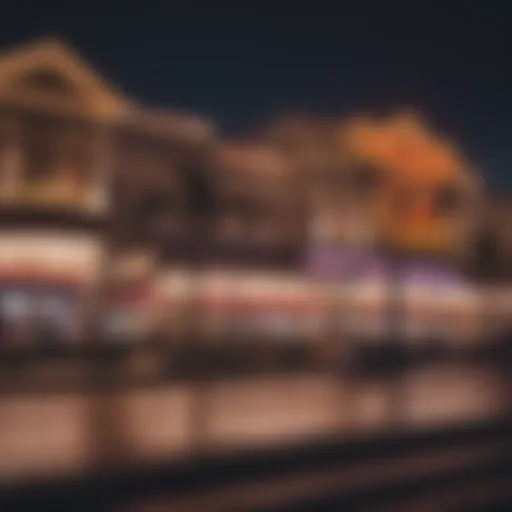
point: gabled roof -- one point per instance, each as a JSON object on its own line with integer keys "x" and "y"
{"x": 53, "y": 55}
{"x": 97, "y": 99}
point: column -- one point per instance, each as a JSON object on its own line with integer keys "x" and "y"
{"x": 11, "y": 165}
{"x": 108, "y": 442}
{"x": 98, "y": 199}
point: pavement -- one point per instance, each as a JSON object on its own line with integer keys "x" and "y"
{"x": 43, "y": 434}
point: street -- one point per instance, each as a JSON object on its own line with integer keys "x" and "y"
{"x": 48, "y": 433}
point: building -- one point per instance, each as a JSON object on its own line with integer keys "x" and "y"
{"x": 87, "y": 178}
{"x": 492, "y": 264}
{"x": 119, "y": 221}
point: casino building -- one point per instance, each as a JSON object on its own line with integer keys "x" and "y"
{"x": 126, "y": 224}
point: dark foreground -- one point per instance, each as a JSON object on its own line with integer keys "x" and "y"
{"x": 464, "y": 467}
{"x": 434, "y": 437}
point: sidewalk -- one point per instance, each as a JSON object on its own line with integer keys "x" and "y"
{"x": 41, "y": 433}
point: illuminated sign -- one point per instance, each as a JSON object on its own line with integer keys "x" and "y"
{"x": 430, "y": 275}
{"x": 332, "y": 262}
{"x": 40, "y": 254}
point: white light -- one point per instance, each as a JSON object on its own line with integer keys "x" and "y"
{"x": 50, "y": 250}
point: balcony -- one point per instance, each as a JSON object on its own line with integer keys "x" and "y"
{"x": 60, "y": 202}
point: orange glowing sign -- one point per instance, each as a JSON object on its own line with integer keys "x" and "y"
{"x": 415, "y": 164}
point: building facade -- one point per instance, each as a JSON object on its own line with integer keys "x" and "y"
{"x": 88, "y": 179}
{"x": 119, "y": 221}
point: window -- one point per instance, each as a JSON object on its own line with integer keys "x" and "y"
{"x": 54, "y": 147}
{"x": 324, "y": 227}
{"x": 366, "y": 179}
{"x": 447, "y": 200}
{"x": 265, "y": 231}
{"x": 199, "y": 192}
{"x": 231, "y": 226}
{"x": 405, "y": 200}
{"x": 48, "y": 82}
{"x": 152, "y": 205}
{"x": 39, "y": 141}
{"x": 14, "y": 305}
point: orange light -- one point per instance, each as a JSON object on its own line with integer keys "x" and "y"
{"x": 414, "y": 158}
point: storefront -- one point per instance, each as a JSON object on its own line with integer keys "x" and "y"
{"x": 442, "y": 308}
{"x": 430, "y": 303}
{"x": 496, "y": 312}
{"x": 128, "y": 318}
{"x": 365, "y": 309}
{"x": 244, "y": 311}
{"x": 46, "y": 281}
{"x": 281, "y": 309}
{"x": 354, "y": 286}
{"x": 130, "y": 299}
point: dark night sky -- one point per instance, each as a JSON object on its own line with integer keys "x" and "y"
{"x": 241, "y": 64}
